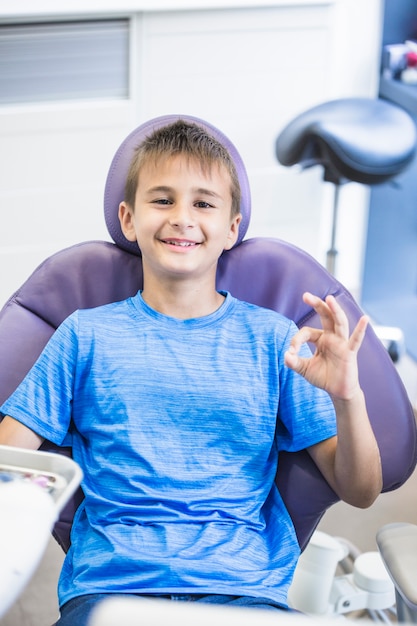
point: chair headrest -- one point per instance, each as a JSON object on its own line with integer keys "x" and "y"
{"x": 115, "y": 183}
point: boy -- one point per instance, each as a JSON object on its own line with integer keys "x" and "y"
{"x": 177, "y": 402}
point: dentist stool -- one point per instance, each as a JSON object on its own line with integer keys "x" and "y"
{"x": 354, "y": 139}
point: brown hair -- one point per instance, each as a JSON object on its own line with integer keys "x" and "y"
{"x": 185, "y": 138}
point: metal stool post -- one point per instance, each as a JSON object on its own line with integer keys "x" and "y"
{"x": 332, "y": 251}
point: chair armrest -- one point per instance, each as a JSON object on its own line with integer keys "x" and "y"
{"x": 397, "y": 544}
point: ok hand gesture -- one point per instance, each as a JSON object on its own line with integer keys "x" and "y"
{"x": 333, "y": 366}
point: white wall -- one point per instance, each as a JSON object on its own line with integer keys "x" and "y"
{"x": 248, "y": 70}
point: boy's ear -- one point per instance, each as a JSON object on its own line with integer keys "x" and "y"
{"x": 126, "y": 221}
{"x": 233, "y": 232}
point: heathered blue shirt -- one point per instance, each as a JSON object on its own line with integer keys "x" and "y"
{"x": 177, "y": 425}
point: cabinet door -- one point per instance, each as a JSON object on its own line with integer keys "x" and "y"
{"x": 61, "y": 119}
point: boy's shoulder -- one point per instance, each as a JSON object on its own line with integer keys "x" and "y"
{"x": 103, "y": 313}
{"x": 109, "y": 308}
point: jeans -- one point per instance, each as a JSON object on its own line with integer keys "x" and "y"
{"x": 76, "y": 612}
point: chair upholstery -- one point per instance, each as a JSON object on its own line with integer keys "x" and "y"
{"x": 267, "y": 272}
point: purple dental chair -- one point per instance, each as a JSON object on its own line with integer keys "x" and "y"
{"x": 267, "y": 272}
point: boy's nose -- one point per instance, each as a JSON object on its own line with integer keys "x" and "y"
{"x": 182, "y": 216}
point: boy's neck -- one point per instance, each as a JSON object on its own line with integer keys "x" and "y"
{"x": 183, "y": 301}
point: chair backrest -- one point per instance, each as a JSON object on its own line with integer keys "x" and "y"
{"x": 267, "y": 272}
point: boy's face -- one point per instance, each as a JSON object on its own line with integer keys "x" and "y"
{"x": 182, "y": 218}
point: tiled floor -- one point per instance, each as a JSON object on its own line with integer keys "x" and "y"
{"x": 38, "y": 605}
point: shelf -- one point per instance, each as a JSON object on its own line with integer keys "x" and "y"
{"x": 399, "y": 93}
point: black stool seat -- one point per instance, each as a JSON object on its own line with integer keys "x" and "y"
{"x": 355, "y": 139}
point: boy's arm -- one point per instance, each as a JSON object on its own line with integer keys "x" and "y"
{"x": 350, "y": 462}
{"x": 14, "y": 433}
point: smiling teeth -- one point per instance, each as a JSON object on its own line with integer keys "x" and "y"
{"x": 183, "y": 244}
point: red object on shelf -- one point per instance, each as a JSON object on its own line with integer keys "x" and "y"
{"x": 411, "y": 59}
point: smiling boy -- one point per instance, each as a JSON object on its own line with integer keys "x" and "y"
{"x": 178, "y": 401}
{"x": 181, "y": 230}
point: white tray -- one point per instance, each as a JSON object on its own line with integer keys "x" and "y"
{"x": 63, "y": 473}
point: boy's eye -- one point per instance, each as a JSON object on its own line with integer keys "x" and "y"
{"x": 162, "y": 201}
{"x": 203, "y": 205}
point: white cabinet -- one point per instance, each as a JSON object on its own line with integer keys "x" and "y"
{"x": 247, "y": 67}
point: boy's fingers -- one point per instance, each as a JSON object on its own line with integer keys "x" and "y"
{"x": 322, "y": 309}
{"x": 333, "y": 318}
{"x": 304, "y": 335}
{"x": 358, "y": 334}
{"x": 340, "y": 319}
{"x": 331, "y": 313}
{"x": 293, "y": 361}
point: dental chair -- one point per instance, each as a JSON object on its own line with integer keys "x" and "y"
{"x": 265, "y": 271}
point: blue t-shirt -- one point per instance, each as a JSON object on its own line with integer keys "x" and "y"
{"x": 177, "y": 425}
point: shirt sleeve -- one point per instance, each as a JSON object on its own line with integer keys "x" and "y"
{"x": 43, "y": 400}
{"x": 306, "y": 413}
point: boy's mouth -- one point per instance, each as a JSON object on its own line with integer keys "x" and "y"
{"x": 182, "y": 243}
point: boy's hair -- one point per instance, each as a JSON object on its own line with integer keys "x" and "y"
{"x": 187, "y": 139}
